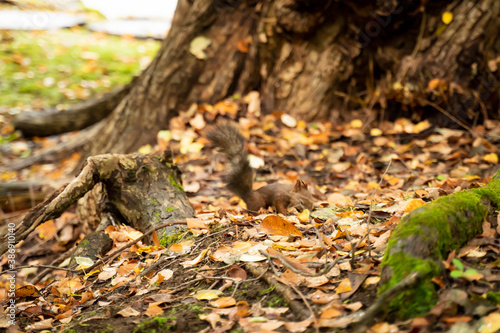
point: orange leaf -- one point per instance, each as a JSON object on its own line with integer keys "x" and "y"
{"x": 223, "y": 302}
{"x": 330, "y": 313}
{"x": 275, "y": 225}
{"x": 195, "y": 223}
{"x": 414, "y": 204}
{"x": 27, "y": 291}
{"x": 47, "y": 230}
{"x": 156, "y": 241}
{"x": 153, "y": 310}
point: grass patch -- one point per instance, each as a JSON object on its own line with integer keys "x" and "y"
{"x": 40, "y": 69}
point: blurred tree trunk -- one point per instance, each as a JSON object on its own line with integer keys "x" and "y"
{"x": 316, "y": 60}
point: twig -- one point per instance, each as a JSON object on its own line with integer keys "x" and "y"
{"x": 129, "y": 244}
{"x": 154, "y": 265}
{"x": 325, "y": 270}
{"x": 38, "y": 266}
{"x": 367, "y": 235}
{"x": 470, "y": 130}
{"x": 58, "y": 261}
{"x": 306, "y": 303}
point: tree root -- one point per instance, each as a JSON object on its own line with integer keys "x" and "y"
{"x": 425, "y": 237}
{"x": 57, "y": 152}
{"x": 143, "y": 190}
{"x": 298, "y": 308}
{"x": 53, "y": 121}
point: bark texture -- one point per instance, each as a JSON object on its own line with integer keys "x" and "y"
{"x": 315, "y": 60}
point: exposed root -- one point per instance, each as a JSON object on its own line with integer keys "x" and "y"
{"x": 80, "y": 116}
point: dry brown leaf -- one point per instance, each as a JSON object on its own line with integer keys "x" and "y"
{"x": 129, "y": 312}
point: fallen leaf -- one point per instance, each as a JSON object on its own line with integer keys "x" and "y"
{"x": 223, "y": 302}
{"x": 47, "y": 230}
{"x": 344, "y": 286}
{"x": 275, "y": 225}
{"x": 447, "y": 17}
{"x": 154, "y": 310}
{"x": 195, "y": 261}
{"x": 129, "y": 312}
{"x": 207, "y": 294}
{"x": 27, "y": 291}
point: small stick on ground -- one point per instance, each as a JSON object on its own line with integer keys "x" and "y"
{"x": 286, "y": 292}
{"x": 367, "y": 235}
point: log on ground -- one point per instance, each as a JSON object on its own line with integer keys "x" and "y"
{"x": 426, "y": 236}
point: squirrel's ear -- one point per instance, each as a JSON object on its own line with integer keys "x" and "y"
{"x": 299, "y": 185}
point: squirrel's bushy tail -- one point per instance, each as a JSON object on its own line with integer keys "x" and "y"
{"x": 239, "y": 177}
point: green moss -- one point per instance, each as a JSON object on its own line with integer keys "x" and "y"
{"x": 267, "y": 291}
{"x": 186, "y": 307}
{"x": 109, "y": 328}
{"x": 431, "y": 226}
{"x": 277, "y": 302}
{"x": 170, "y": 209}
{"x": 153, "y": 202}
{"x": 175, "y": 184}
{"x": 83, "y": 242}
{"x": 173, "y": 238}
{"x": 493, "y": 297}
{"x": 420, "y": 298}
{"x": 156, "y": 324}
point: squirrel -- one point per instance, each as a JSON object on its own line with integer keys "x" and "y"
{"x": 240, "y": 175}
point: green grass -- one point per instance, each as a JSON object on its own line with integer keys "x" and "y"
{"x": 49, "y": 68}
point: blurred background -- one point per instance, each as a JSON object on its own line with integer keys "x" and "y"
{"x": 93, "y": 47}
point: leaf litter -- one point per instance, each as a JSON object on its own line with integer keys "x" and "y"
{"x": 267, "y": 272}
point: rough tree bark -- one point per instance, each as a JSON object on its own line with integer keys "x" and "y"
{"x": 314, "y": 60}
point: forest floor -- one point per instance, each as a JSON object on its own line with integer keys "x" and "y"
{"x": 212, "y": 276}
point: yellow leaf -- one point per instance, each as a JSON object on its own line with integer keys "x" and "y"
{"x": 207, "y": 294}
{"x": 376, "y": 132}
{"x": 491, "y": 158}
{"x": 344, "y": 286}
{"x": 356, "y": 123}
{"x": 491, "y": 323}
{"x": 191, "y": 263}
{"x": 198, "y": 46}
{"x": 147, "y": 149}
{"x": 447, "y": 17}
{"x": 304, "y": 216}
{"x": 423, "y": 125}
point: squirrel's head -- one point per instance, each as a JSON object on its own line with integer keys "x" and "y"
{"x": 302, "y": 198}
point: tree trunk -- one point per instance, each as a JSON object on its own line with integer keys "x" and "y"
{"x": 316, "y": 60}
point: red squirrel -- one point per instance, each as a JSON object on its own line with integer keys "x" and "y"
{"x": 240, "y": 175}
